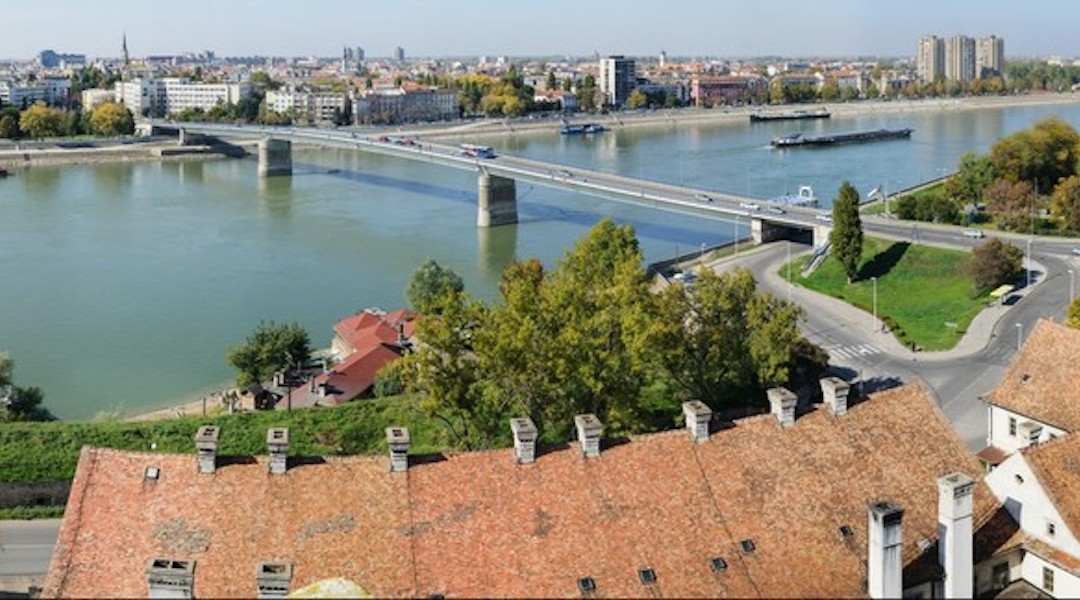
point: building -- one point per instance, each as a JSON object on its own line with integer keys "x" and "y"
{"x": 960, "y": 58}
{"x": 49, "y": 59}
{"x": 359, "y": 54}
{"x": 406, "y": 104}
{"x": 53, "y": 91}
{"x": 314, "y": 106}
{"x": 617, "y": 79}
{"x": 399, "y": 54}
{"x": 1038, "y": 398}
{"x": 930, "y": 58}
{"x": 172, "y": 95}
{"x": 989, "y": 56}
{"x": 714, "y": 91}
{"x": 91, "y": 99}
{"x": 841, "y": 501}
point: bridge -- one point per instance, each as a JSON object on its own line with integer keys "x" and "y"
{"x": 498, "y": 176}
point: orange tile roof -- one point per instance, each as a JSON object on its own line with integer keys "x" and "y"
{"x": 1056, "y": 465}
{"x": 369, "y": 328}
{"x": 1043, "y": 382}
{"x": 478, "y": 524}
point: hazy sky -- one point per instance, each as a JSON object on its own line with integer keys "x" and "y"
{"x": 729, "y": 28}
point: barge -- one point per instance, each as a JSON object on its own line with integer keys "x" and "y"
{"x": 798, "y": 139}
{"x": 789, "y": 116}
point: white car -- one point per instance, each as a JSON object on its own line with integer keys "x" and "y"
{"x": 776, "y": 210}
{"x": 749, "y": 206}
{"x": 703, "y": 197}
{"x": 976, "y": 234}
{"x": 824, "y": 217}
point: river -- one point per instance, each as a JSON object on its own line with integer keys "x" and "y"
{"x": 122, "y": 285}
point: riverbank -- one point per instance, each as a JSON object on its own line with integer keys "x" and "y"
{"x": 36, "y": 154}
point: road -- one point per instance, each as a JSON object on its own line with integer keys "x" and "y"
{"x": 861, "y": 353}
{"x": 26, "y": 548}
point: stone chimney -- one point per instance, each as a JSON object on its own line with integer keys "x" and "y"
{"x": 782, "y": 402}
{"x": 397, "y": 438}
{"x": 277, "y": 444}
{"x": 168, "y": 578}
{"x": 206, "y": 441}
{"x": 589, "y": 429}
{"x": 834, "y": 393}
{"x": 524, "y": 439}
{"x": 955, "y": 542}
{"x": 698, "y": 416}
{"x": 884, "y": 561}
{"x": 273, "y": 579}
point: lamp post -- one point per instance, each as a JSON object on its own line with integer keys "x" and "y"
{"x": 1072, "y": 286}
{"x": 1029, "y": 262}
{"x": 876, "y": 327}
{"x": 736, "y": 235}
{"x": 788, "y": 263}
{"x": 1019, "y": 336}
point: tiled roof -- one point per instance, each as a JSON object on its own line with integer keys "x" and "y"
{"x": 371, "y": 327}
{"x": 1043, "y": 382}
{"x": 1056, "y": 465}
{"x": 348, "y": 380}
{"x": 478, "y": 524}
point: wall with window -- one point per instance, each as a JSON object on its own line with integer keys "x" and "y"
{"x": 1049, "y": 578}
{"x": 1005, "y": 430}
{"x": 1017, "y": 488}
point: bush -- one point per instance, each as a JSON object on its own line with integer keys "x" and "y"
{"x": 994, "y": 263}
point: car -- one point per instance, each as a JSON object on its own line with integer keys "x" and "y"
{"x": 703, "y": 197}
{"x": 824, "y": 217}
{"x": 976, "y": 234}
{"x": 749, "y": 206}
{"x": 1076, "y": 250}
{"x": 384, "y": 139}
{"x": 776, "y": 210}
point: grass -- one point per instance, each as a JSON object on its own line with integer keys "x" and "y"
{"x": 50, "y": 451}
{"x": 922, "y": 293}
{"x": 32, "y": 512}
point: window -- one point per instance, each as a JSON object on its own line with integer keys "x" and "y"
{"x": 587, "y": 585}
{"x": 1000, "y": 576}
{"x": 1012, "y": 426}
{"x": 647, "y": 576}
{"x": 747, "y": 546}
{"x": 1019, "y": 478}
{"x": 1048, "y": 580}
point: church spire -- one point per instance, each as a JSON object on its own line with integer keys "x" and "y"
{"x": 126, "y": 59}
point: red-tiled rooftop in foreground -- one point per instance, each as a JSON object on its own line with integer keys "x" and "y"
{"x": 480, "y": 525}
{"x": 1043, "y": 382}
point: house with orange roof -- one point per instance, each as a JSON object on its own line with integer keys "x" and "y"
{"x": 877, "y": 498}
{"x": 1038, "y": 398}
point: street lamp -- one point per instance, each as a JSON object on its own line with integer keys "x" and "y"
{"x": 1072, "y": 286}
{"x": 876, "y": 327}
{"x": 1029, "y": 262}
{"x": 1019, "y": 336}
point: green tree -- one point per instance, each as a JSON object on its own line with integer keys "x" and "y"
{"x": 637, "y": 100}
{"x": 19, "y": 403}
{"x": 552, "y": 83}
{"x": 1065, "y": 202}
{"x": 1074, "y": 314}
{"x": 973, "y": 175}
{"x": 1043, "y": 154}
{"x": 847, "y": 235}
{"x": 269, "y": 349}
{"x": 7, "y": 366}
{"x": 40, "y": 121}
{"x": 112, "y": 119}
{"x": 994, "y": 263}
{"x": 431, "y": 286}
{"x": 9, "y": 125}
{"x": 830, "y": 90}
{"x": 1013, "y": 204}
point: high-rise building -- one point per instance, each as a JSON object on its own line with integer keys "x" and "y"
{"x": 617, "y": 79}
{"x": 663, "y": 59}
{"x": 399, "y": 54}
{"x": 930, "y": 58}
{"x": 359, "y": 54}
{"x": 960, "y": 58}
{"x": 989, "y": 56}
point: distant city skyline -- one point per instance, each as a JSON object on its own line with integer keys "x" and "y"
{"x": 693, "y": 28}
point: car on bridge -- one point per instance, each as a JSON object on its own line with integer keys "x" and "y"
{"x": 749, "y": 206}
{"x": 824, "y": 217}
{"x": 703, "y": 197}
{"x": 975, "y": 234}
{"x": 775, "y": 210}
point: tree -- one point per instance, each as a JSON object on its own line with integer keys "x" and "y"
{"x": 1041, "y": 155}
{"x": 112, "y": 119}
{"x": 994, "y": 263}
{"x": 1013, "y": 204}
{"x": 9, "y": 127}
{"x": 552, "y": 83}
{"x": 40, "y": 121}
{"x": 973, "y": 175}
{"x": 637, "y": 100}
{"x": 430, "y": 287}
{"x": 19, "y": 403}
{"x": 1065, "y": 202}
{"x": 1074, "y": 314}
{"x": 847, "y": 235}
{"x": 269, "y": 349}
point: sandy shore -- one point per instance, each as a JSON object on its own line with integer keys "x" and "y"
{"x": 208, "y": 404}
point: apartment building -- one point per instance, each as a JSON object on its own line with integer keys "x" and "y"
{"x": 618, "y": 78}
{"x": 406, "y": 104}
{"x": 930, "y": 58}
{"x": 989, "y": 56}
{"x": 315, "y": 106}
{"x": 172, "y": 95}
{"x": 53, "y": 91}
{"x": 960, "y": 58}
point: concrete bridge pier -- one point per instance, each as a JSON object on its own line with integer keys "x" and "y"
{"x": 498, "y": 201}
{"x": 275, "y": 157}
{"x": 763, "y": 232}
{"x": 821, "y": 235}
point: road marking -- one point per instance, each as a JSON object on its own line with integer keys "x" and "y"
{"x": 853, "y": 351}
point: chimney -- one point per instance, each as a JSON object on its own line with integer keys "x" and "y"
{"x": 589, "y": 429}
{"x": 397, "y": 438}
{"x": 273, "y": 579}
{"x": 884, "y": 564}
{"x": 524, "y": 439}
{"x": 698, "y": 416}
{"x": 834, "y": 392}
{"x": 206, "y": 440}
{"x": 782, "y": 401}
{"x": 168, "y": 578}
{"x": 955, "y": 545}
{"x": 277, "y": 443}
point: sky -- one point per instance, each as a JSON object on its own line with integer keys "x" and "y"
{"x": 436, "y": 28}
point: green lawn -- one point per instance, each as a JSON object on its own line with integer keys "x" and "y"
{"x": 50, "y": 451}
{"x": 922, "y": 292}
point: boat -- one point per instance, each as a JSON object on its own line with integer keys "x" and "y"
{"x": 805, "y": 197}
{"x": 3, "y": 173}
{"x": 568, "y": 129}
{"x": 789, "y": 116}
{"x": 798, "y": 139}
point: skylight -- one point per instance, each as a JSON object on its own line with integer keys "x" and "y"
{"x": 647, "y": 575}
{"x": 747, "y": 546}
{"x": 717, "y": 564}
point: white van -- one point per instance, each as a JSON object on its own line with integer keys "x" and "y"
{"x": 976, "y": 234}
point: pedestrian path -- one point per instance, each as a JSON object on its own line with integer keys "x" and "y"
{"x": 852, "y": 351}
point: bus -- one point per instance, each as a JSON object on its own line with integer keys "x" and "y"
{"x": 477, "y": 151}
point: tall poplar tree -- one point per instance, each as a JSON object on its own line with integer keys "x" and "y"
{"x": 847, "y": 235}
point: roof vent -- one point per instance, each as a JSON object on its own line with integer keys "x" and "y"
{"x": 782, "y": 402}
{"x": 647, "y": 576}
{"x": 277, "y": 444}
{"x": 524, "y": 439}
{"x": 152, "y": 473}
{"x": 397, "y": 438}
{"x": 748, "y": 546}
{"x": 1025, "y": 378}
{"x": 587, "y": 585}
{"x": 698, "y": 416}
{"x": 273, "y": 579}
{"x": 206, "y": 443}
{"x": 589, "y": 429}
{"x": 846, "y": 532}
{"x": 717, "y": 564}
{"x": 168, "y": 578}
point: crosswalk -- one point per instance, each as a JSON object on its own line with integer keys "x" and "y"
{"x": 853, "y": 351}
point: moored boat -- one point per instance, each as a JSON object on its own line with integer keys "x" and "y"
{"x": 798, "y": 139}
{"x": 789, "y": 116}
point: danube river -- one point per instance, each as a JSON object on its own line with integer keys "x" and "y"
{"x": 122, "y": 285}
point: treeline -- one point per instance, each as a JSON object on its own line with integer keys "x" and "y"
{"x": 19, "y": 403}
{"x": 1029, "y": 181}
{"x": 40, "y": 121}
{"x": 591, "y": 337}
